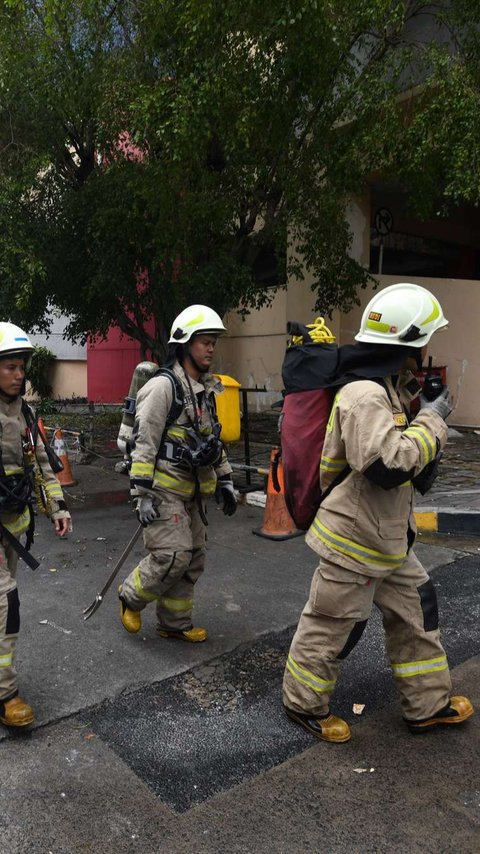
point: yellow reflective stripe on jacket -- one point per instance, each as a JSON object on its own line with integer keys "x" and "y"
{"x": 429, "y": 445}
{"x": 141, "y": 593}
{"x": 16, "y": 524}
{"x": 354, "y": 550}
{"x": 332, "y": 413}
{"x": 332, "y": 464}
{"x": 177, "y": 432}
{"x": 175, "y": 604}
{"x": 420, "y": 668}
{"x": 14, "y": 470}
{"x": 208, "y": 487}
{"x": 142, "y": 470}
{"x": 318, "y": 685}
{"x": 161, "y": 478}
{"x": 6, "y": 660}
{"x": 54, "y": 490}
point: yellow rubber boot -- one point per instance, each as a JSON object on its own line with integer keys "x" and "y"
{"x": 194, "y": 635}
{"x": 16, "y": 712}
{"x": 131, "y": 620}
{"x": 329, "y": 728}
{"x": 458, "y": 710}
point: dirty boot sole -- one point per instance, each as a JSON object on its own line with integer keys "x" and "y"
{"x": 462, "y": 708}
{"x": 326, "y": 729}
{"x": 16, "y": 713}
{"x": 193, "y": 635}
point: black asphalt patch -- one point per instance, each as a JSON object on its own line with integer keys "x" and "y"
{"x": 200, "y": 733}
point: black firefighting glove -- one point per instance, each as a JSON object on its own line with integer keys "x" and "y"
{"x": 426, "y": 478}
{"x": 225, "y": 492}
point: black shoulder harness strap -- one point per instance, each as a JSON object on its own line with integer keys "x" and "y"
{"x": 177, "y": 391}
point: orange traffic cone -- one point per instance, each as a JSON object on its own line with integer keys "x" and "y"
{"x": 277, "y": 522}
{"x": 41, "y": 430}
{"x": 65, "y": 477}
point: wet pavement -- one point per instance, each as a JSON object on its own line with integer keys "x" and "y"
{"x": 161, "y": 747}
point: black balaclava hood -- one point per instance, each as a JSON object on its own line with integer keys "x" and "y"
{"x": 369, "y": 361}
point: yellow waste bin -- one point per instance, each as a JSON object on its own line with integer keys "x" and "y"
{"x": 228, "y": 409}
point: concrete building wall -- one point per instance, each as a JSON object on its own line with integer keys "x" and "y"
{"x": 254, "y": 349}
{"x": 68, "y": 374}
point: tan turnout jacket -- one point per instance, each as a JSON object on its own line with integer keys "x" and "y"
{"x": 153, "y": 405}
{"x": 12, "y": 428}
{"x": 361, "y": 525}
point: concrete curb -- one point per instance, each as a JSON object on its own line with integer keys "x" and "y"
{"x": 448, "y": 521}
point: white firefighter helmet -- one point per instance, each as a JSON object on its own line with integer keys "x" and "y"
{"x": 14, "y": 342}
{"x": 404, "y": 314}
{"x": 193, "y": 320}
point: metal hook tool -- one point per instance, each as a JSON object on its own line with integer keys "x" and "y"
{"x": 100, "y": 596}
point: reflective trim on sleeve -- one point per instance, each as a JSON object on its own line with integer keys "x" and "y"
{"x": 332, "y": 413}
{"x": 142, "y": 470}
{"x": 208, "y": 487}
{"x": 355, "y": 550}
{"x": 332, "y": 464}
{"x": 14, "y": 470}
{"x": 16, "y": 524}
{"x": 420, "y": 668}
{"x": 6, "y": 660}
{"x": 141, "y": 593}
{"x": 428, "y": 444}
{"x": 54, "y": 490}
{"x": 320, "y": 686}
{"x": 175, "y": 604}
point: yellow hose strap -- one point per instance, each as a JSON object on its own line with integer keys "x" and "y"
{"x": 318, "y": 332}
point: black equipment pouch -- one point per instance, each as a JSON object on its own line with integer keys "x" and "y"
{"x": 15, "y": 492}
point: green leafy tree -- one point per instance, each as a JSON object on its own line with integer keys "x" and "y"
{"x": 162, "y": 152}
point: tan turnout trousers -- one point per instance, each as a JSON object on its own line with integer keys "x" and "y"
{"x": 9, "y": 622}
{"x": 333, "y": 620}
{"x": 175, "y": 561}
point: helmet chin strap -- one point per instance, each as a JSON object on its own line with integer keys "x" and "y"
{"x": 195, "y": 364}
{"x": 416, "y": 353}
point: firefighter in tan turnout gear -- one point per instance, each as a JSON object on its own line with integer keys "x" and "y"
{"x": 175, "y": 466}
{"x": 365, "y": 529}
{"x": 24, "y": 469}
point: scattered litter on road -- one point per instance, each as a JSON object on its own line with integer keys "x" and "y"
{"x": 101, "y": 538}
{"x": 358, "y": 708}
{"x": 363, "y": 770}
{"x": 54, "y": 626}
{"x": 52, "y": 569}
{"x": 89, "y": 736}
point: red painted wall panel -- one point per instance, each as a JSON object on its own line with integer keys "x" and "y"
{"x": 110, "y": 365}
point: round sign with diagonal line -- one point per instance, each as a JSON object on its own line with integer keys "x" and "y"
{"x": 383, "y": 221}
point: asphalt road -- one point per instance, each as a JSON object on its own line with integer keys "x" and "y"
{"x": 158, "y": 746}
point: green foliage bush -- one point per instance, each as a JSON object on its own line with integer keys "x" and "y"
{"x": 38, "y": 373}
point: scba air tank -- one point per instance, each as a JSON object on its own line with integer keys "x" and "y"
{"x": 142, "y": 373}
